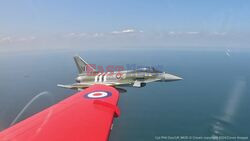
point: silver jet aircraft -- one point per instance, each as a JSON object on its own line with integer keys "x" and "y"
{"x": 136, "y": 78}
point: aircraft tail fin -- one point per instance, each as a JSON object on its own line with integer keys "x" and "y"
{"x": 82, "y": 65}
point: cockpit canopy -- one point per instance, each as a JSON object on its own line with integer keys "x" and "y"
{"x": 148, "y": 70}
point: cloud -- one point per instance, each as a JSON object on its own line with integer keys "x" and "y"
{"x": 75, "y": 35}
{"x": 124, "y": 38}
{"x": 171, "y": 33}
{"x": 192, "y": 32}
{"x": 98, "y": 34}
{"x": 14, "y": 39}
{"x": 5, "y": 39}
{"x": 127, "y": 31}
{"x": 81, "y": 35}
{"x": 26, "y": 39}
{"x": 219, "y": 33}
{"x": 183, "y": 33}
{"x": 89, "y": 35}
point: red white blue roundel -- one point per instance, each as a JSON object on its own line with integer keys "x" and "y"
{"x": 98, "y": 94}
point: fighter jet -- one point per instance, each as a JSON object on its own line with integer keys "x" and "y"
{"x": 136, "y": 78}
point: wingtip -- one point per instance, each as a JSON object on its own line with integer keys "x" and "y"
{"x": 64, "y": 86}
{"x": 59, "y": 85}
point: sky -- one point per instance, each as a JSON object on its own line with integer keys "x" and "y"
{"x": 66, "y": 24}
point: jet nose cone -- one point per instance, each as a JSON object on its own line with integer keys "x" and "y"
{"x": 170, "y": 77}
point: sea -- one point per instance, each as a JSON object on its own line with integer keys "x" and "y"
{"x": 211, "y": 102}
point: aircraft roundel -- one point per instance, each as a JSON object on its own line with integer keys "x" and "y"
{"x": 118, "y": 75}
{"x": 98, "y": 94}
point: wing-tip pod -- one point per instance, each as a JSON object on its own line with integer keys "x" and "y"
{"x": 64, "y": 86}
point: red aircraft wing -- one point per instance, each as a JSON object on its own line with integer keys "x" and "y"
{"x": 85, "y": 116}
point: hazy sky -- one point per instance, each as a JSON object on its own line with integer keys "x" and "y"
{"x": 128, "y": 23}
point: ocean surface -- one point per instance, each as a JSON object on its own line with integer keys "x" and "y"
{"x": 213, "y": 99}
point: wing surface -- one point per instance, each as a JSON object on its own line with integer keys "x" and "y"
{"x": 84, "y": 116}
